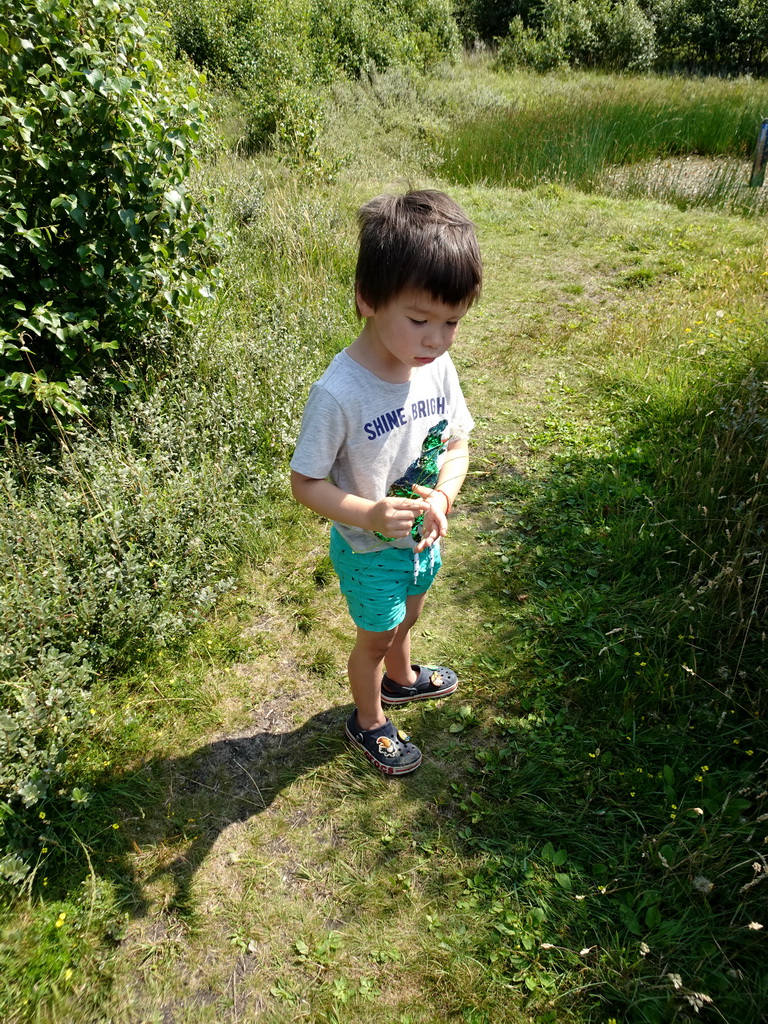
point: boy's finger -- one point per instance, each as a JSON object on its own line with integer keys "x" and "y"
{"x": 424, "y": 492}
{"x": 415, "y": 503}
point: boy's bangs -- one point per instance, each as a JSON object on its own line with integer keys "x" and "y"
{"x": 447, "y": 271}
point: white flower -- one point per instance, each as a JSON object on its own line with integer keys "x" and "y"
{"x": 754, "y": 926}
{"x": 702, "y": 884}
{"x": 645, "y": 949}
{"x": 677, "y": 981}
{"x": 698, "y": 1000}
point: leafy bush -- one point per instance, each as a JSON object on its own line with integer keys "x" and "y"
{"x": 99, "y": 242}
{"x": 278, "y": 54}
{"x": 584, "y": 33}
{"x": 713, "y": 36}
{"x": 709, "y": 36}
{"x": 487, "y": 20}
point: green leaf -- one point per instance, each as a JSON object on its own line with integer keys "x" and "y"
{"x": 77, "y": 213}
{"x": 94, "y": 78}
{"x": 22, "y": 382}
{"x": 629, "y": 917}
{"x": 653, "y": 917}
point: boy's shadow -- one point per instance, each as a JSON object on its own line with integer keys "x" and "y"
{"x": 203, "y": 793}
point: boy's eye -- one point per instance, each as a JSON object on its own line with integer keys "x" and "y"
{"x": 417, "y": 323}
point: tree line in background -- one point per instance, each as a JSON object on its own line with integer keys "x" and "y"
{"x": 712, "y": 37}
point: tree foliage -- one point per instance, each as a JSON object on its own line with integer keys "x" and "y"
{"x": 278, "y": 53}
{"x": 712, "y": 36}
{"x": 582, "y": 33}
{"x": 705, "y": 36}
{"x": 99, "y": 241}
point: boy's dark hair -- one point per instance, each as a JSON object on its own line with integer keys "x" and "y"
{"x": 421, "y": 240}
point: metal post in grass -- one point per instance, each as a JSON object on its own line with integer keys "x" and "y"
{"x": 761, "y": 155}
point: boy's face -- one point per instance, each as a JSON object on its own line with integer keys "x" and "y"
{"x": 412, "y": 330}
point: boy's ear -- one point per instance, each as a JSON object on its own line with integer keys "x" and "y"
{"x": 363, "y": 307}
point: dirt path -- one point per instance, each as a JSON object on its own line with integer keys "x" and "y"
{"x": 273, "y": 834}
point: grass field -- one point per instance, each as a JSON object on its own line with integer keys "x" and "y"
{"x": 586, "y": 841}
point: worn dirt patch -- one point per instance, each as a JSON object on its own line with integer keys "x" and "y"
{"x": 696, "y": 179}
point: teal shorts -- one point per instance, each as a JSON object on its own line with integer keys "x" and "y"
{"x": 376, "y": 584}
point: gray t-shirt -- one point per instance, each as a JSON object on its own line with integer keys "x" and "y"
{"x": 367, "y": 435}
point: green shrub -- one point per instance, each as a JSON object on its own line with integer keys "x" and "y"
{"x": 584, "y": 33}
{"x": 711, "y": 36}
{"x": 705, "y": 36}
{"x": 99, "y": 242}
{"x": 487, "y": 20}
{"x": 246, "y": 42}
{"x": 277, "y": 55}
{"x": 282, "y": 113}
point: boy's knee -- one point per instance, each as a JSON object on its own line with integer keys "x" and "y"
{"x": 375, "y": 644}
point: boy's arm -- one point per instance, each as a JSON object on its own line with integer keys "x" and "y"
{"x": 452, "y": 475}
{"x": 392, "y": 517}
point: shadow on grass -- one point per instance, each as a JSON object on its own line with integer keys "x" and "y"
{"x": 620, "y": 795}
{"x": 184, "y": 804}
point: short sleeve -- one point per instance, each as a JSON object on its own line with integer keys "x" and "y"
{"x": 322, "y": 434}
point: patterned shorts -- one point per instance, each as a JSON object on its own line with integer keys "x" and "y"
{"x": 376, "y": 584}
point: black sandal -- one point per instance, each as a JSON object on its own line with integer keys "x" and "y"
{"x": 390, "y": 750}
{"x": 433, "y": 681}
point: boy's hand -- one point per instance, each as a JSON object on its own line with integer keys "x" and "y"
{"x": 435, "y": 524}
{"x": 394, "y": 517}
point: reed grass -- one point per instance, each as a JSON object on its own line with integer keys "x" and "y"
{"x": 572, "y": 129}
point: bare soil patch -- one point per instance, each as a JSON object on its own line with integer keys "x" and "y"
{"x": 693, "y": 179}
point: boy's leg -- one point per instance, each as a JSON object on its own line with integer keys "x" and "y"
{"x": 401, "y": 683}
{"x": 397, "y": 659}
{"x": 364, "y": 669}
{"x": 368, "y": 728}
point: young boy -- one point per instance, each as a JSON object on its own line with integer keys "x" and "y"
{"x": 383, "y": 450}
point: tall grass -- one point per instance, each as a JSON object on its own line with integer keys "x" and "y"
{"x": 571, "y": 129}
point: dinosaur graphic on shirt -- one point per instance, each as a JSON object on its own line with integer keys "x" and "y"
{"x": 422, "y": 472}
